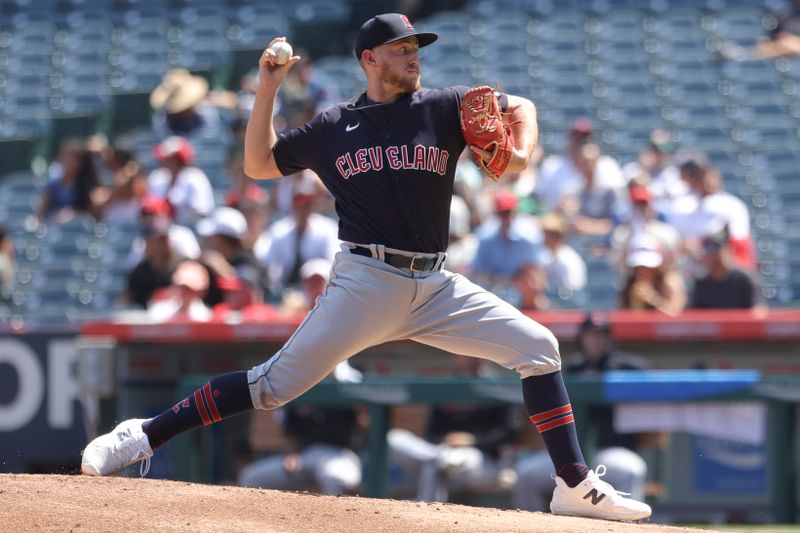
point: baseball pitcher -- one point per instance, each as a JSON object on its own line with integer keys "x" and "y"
{"x": 388, "y": 156}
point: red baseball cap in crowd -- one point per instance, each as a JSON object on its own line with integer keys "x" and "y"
{"x": 582, "y": 127}
{"x": 640, "y": 194}
{"x": 174, "y": 146}
{"x": 155, "y": 205}
{"x": 505, "y": 200}
{"x": 230, "y": 283}
{"x": 252, "y": 195}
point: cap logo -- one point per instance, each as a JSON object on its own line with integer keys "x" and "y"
{"x": 406, "y": 22}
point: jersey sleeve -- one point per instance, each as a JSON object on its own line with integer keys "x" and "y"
{"x": 299, "y": 148}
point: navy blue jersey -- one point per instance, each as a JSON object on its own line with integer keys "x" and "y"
{"x": 390, "y": 166}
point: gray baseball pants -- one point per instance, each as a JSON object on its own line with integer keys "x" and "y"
{"x": 369, "y": 302}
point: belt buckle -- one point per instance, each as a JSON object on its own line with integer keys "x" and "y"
{"x": 415, "y": 268}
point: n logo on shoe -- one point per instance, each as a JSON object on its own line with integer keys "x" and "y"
{"x": 596, "y": 497}
{"x": 123, "y": 434}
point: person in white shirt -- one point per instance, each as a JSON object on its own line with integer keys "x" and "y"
{"x": 559, "y": 177}
{"x": 564, "y": 267}
{"x": 642, "y": 218}
{"x": 595, "y": 207}
{"x": 184, "y": 186}
{"x": 710, "y": 208}
{"x": 657, "y": 161}
{"x": 297, "y": 238}
{"x": 463, "y": 243}
{"x": 182, "y": 240}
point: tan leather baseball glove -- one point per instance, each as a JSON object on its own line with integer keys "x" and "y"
{"x": 483, "y": 127}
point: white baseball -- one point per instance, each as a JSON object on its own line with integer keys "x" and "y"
{"x": 283, "y": 52}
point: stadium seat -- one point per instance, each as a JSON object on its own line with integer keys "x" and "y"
{"x": 775, "y": 115}
{"x": 488, "y": 8}
{"x": 771, "y": 138}
{"x": 750, "y": 70}
{"x": 629, "y": 71}
{"x": 82, "y": 63}
{"x": 633, "y": 50}
{"x": 682, "y": 70}
{"x": 737, "y": 24}
{"x": 510, "y": 25}
{"x": 87, "y": 16}
{"x": 616, "y": 24}
{"x": 249, "y": 24}
{"x": 636, "y": 117}
{"x": 314, "y": 21}
{"x": 686, "y": 116}
{"x": 451, "y": 26}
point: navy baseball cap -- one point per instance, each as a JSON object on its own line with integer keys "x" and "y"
{"x": 388, "y": 28}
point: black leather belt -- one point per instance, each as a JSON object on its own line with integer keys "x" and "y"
{"x": 415, "y": 264}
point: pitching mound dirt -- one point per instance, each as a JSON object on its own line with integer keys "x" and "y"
{"x": 81, "y": 503}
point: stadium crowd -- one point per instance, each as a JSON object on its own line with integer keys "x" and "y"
{"x": 664, "y": 222}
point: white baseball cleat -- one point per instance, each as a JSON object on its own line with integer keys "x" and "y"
{"x": 125, "y": 445}
{"x": 594, "y": 498}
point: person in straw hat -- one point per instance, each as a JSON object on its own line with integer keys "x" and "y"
{"x": 182, "y": 107}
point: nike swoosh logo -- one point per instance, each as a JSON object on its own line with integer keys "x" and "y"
{"x": 350, "y": 127}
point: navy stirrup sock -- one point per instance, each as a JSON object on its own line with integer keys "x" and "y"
{"x": 549, "y": 408}
{"x": 223, "y": 396}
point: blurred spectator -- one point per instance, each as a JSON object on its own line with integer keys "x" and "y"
{"x": 184, "y": 186}
{"x": 248, "y": 85}
{"x": 626, "y": 470}
{"x": 531, "y": 286}
{"x": 641, "y": 219}
{"x": 322, "y": 447}
{"x": 8, "y": 267}
{"x": 181, "y": 239}
{"x": 305, "y": 92}
{"x": 224, "y": 232}
{"x": 505, "y": 248}
{"x": 155, "y": 269}
{"x": 256, "y": 213}
{"x": 781, "y": 40}
{"x": 466, "y": 447}
{"x": 181, "y": 106}
{"x": 523, "y": 184}
{"x": 469, "y": 186}
{"x": 282, "y": 191}
{"x": 709, "y": 209}
{"x": 563, "y": 266}
{"x": 293, "y": 240}
{"x": 594, "y": 208}
{"x": 72, "y": 184}
{"x": 651, "y": 284}
{"x": 463, "y": 244}
{"x": 122, "y": 201}
{"x": 183, "y": 300}
{"x": 242, "y": 188}
{"x": 249, "y": 198}
{"x": 656, "y": 160}
{"x": 724, "y": 286}
{"x": 559, "y": 175}
{"x": 242, "y": 302}
{"x": 314, "y": 276}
